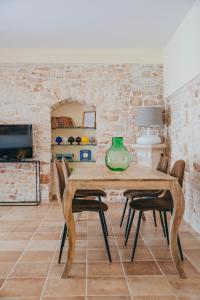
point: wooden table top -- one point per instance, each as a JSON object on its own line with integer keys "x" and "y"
{"x": 101, "y": 173}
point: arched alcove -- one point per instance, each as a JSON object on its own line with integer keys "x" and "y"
{"x": 60, "y": 129}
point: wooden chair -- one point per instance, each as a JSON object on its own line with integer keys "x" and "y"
{"x": 162, "y": 204}
{"x": 133, "y": 194}
{"x": 78, "y": 205}
{"x": 98, "y": 194}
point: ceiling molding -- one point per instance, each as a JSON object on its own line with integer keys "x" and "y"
{"x": 149, "y": 56}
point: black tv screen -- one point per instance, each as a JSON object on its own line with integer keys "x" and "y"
{"x": 16, "y": 141}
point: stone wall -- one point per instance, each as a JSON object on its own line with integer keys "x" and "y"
{"x": 12, "y": 175}
{"x": 29, "y": 91}
{"x": 184, "y": 143}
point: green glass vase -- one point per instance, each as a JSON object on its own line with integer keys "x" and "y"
{"x": 117, "y": 156}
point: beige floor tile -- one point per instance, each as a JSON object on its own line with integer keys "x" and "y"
{"x": 65, "y": 287}
{"x": 56, "y": 223}
{"x": 101, "y": 255}
{"x": 80, "y": 255}
{"x": 107, "y": 286}
{"x": 63, "y": 298}
{"x": 77, "y": 270}
{"x": 194, "y": 256}
{"x": 23, "y": 228}
{"x": 154, "y": 234}
{"x": 10, "y": 245}
{"x": 191, "y": 244}
{"x": 185, "y": 235}
{"x": 18, "y": 236}
{"x": 100, "y": 243}
{"x": 81, "y": 236}
{"x": 121, "y": 240}
{"x": 9, "y": 256}
{"x": 189, "y": 298}
{"x": 52, "y": 228}
{"x": 20, "y": 298}
{"x": 46, "y": 236}
{"x": 18, "y": 218}
{"x": 79, "y": 243}
{"x": 42, "y": 245}
{"x": 109, "y": 298}
{"x": 105, "y": 281}
{"x": 161, "y": 253}
{"x": 142, "y": 254}
{"x": 149, "y": 286}
{"x": 168, "y": 268}
{"x": 141, "y": 268}
{"x": 35, "y": 216}
{"x": 98, "y": 269}
{"x": 155, "y": 298}
{"x": 184, "y": 288}
{"x": 3, "y": 235}
{"x": 30, "y": 270}
{"x": 37, "y": 256}
{"x": 5, "y": 268}
{"x": 6, "y": 228}
{"x": 22, "y": 287}
{"x": 162, "y": 243}
{"x": 29, "y": 223}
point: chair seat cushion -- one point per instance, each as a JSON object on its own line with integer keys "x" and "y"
{"x": 141, "y": 193}
{"x": 85, "y": 193}
{"x": 88, "y": 205}
{"x": 152, "y": 204}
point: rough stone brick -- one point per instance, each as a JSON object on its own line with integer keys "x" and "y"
{"x": 183, "y": 143}
{"x": 28, "y": 92}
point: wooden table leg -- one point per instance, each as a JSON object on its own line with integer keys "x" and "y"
{"x": 69, "y": 219}
{"x": 179, "y": 206}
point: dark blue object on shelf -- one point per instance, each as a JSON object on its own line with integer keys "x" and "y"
{"x": 85, "y": 155}
{"x": 58, "y": 140}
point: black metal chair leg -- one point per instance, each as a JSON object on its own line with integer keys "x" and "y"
{"x": 136, "y": 235}
{"x": 105, "y": 235}
{"x": 167, "y": 232}
{"x": 166, "y": 226}
{"x": 128, "y": 219}
{"x": 180, "y": 249}
{"x": 62, "y": 242}
{"x": 106, "y": 227}
{"x": 154, "y": 217}
{"x": 103, "y": 218}
{"x": 129, "y": 226}
{"x": 162, "y": 223}
{"x": 124, "y": 210}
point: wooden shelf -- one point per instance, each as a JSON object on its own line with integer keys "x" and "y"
{"x": 82, "y": 161}
{"x": 73, "y": 128}
{"x": 69, "y": 145}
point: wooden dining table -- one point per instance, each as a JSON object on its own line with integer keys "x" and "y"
{"x": 135, "y": 177}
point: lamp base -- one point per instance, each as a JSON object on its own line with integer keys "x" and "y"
{"x": 149, "y": 139}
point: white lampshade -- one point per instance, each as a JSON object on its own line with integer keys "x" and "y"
{"x": 149, "y": 116}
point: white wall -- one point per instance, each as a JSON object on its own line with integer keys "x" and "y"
{"x": 30, "y": 55}
{"x": 182, "y": 53}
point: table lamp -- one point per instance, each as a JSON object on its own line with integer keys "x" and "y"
{"x": 149, "y": 117}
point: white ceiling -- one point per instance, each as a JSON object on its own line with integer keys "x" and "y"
{"x": 90, "y": 23}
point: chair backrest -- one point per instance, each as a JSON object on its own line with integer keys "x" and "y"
{"x": 58, "y": 180}
{"x": 65, "y": 170}
{"x": 178, "y": 170}
{"x": 163, "y": 163}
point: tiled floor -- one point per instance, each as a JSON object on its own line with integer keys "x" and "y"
{"x": 29, "y": 244}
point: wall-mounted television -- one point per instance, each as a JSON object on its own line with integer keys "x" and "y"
{"x": 16, "y": 142}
